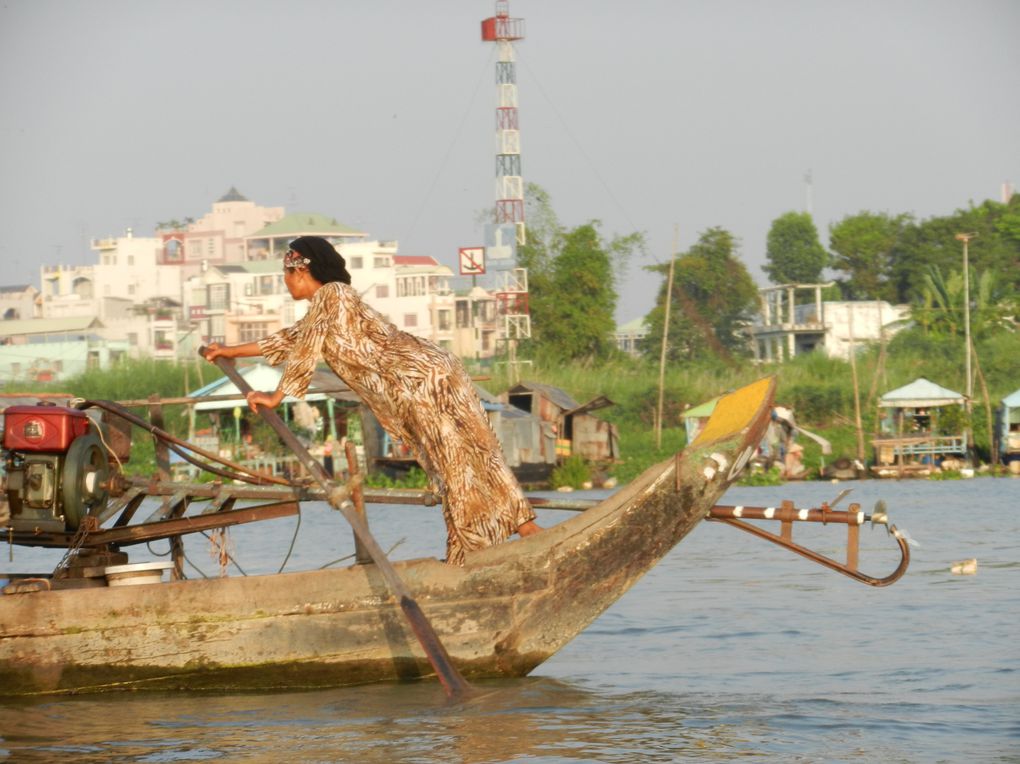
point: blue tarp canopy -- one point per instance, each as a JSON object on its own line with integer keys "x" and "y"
{"x": 258, "y": 376}
{"x": 1012, "y": 401}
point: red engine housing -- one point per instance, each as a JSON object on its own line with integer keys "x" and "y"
{"x": 42, "y": 428}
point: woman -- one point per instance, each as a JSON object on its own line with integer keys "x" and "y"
{"x": 420, "y": 393}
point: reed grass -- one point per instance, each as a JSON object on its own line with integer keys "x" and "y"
{"x": 818, "y": 388}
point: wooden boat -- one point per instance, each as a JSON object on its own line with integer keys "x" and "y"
{"x": 508, "y": 609}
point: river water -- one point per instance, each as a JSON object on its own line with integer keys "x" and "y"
{"x": 731, "y": 648}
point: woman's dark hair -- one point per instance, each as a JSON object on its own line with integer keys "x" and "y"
{"x": 324, "y": 262}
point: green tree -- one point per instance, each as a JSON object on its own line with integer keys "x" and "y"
{"x": 863, "y": 249}
{"x": 940, "y": 310}
{"x": 572, "y": 275}
{"x": 995, "y": 247}
{"x": 794, "y": 254}
{"x": 713, "y": 300}
{"x": 583, "y": 298}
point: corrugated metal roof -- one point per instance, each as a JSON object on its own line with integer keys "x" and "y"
{"x": 306, "y": 223}
{"x": 560, "y": 397}
{"x": 920, "y": 392}
{"x": 49, "y": 325}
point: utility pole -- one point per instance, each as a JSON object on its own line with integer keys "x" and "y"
{"x": 965, "y": 238}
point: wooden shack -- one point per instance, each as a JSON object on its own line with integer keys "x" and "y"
{"x": 1008, "y": 431}
{"x": 573, "y": 427}
{"x": 921, "y": 425}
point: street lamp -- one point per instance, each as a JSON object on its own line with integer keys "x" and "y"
{"x": 965, "y": 238}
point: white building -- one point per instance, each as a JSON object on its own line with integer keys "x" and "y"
{"x": 795, "y": 319}
{"x": 219, "y": 236}
{"x": 18, "y": 302}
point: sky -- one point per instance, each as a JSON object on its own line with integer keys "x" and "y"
{"x": 665, "y": 117}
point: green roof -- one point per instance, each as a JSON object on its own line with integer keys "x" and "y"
{"x": 303, "y": 224}
{"x": 634, "y": 326}
{"x": 701, "y": 410}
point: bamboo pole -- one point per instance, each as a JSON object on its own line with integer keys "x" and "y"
{"x": 665, "y": 338}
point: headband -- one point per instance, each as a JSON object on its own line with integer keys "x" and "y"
{"x": 295, "y": 260}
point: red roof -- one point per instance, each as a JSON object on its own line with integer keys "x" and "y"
{"x": 414, "y": 260}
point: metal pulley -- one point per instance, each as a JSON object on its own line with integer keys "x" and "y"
{"x": 85, "y": 479}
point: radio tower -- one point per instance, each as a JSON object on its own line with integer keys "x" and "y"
{"x": 512, "y": 299}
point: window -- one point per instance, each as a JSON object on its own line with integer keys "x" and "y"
{"x": 131, "y": 259}
{"x": 219, "y": 295}
{"x": 250, "y": 332}
{"x": 380, "y": 262}
{"x": 382, "y": 291}
{"x": 356, "y": 263}
{"x": 410, "y": 319}
{"x": 132, "y": 339}
{"x": 210, "y": 246}
{"x": 444, "y": 321}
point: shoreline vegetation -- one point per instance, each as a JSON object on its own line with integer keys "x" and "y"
{"x": 819, "y": 390}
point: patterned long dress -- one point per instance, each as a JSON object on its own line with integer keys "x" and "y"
{"x": 420, "y": 394}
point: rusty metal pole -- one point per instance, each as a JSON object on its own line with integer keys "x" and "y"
{"x": 361, "y": 554}
{"x": 163, "y": 470}
{"x": 853, "y": 539}
{"x": 786, "y": 525}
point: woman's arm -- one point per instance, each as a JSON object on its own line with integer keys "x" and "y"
{"x": 215, "y": 350}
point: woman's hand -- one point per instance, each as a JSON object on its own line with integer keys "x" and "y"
{"x": 268, "y": 400}
{"x": 215, "y": 350}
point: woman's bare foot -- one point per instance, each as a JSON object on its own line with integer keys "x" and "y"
{"x": 529, "y": 528}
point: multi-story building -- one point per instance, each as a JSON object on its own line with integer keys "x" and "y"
{"x": 220, "y": 279}
{"x": 219, "y": 236}
{"x": 270, "y": 242}
{"x": 19, "y": 301}
{"x": 795, "y": 319}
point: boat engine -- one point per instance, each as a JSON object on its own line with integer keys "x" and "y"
{"x": 56, "y": 466}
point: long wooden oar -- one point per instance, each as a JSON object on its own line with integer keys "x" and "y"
{"x": 338, "y": 496}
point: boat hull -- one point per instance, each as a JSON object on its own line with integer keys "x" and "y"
{"x": 508, "y": 609}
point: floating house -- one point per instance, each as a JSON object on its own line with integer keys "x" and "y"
{"x": 328, "y": 412}
{"x": 1008, "y": 430}
{"x": 920, "y": 426}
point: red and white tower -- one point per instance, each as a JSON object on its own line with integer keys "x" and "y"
{"x": 508, "y": 230}
{"x": 504, "y": 31}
